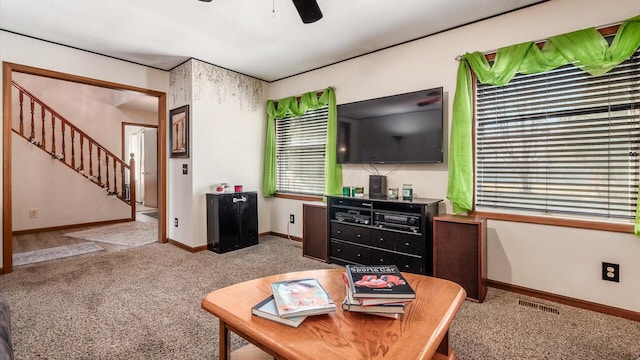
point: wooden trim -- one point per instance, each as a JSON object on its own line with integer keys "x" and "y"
{"x": 79, "y": 79}
{"x": 187, "y": 247}
{"x": 285, "y": 236}
{"x": 7, "y": 251}
{"x": 162, "y": 167}
{"x": 543, "y": 220}
{"x": 203, "y": 247}
{"x": 69, "y": 227}
{"x": 298, "y": 197}
{"x": 8, "y": 68}
{"x": 587, "y": 305}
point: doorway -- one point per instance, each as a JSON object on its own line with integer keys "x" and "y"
{"x": 140, "y": 141}
{"x": 8, "y": 70}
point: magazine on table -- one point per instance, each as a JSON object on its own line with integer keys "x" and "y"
{"x": 378, "y": 281}
{"x": 267, "y": 309}
{"x": 301, "y": 297}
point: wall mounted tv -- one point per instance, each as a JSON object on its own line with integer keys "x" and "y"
{"x": 404, "y": 128}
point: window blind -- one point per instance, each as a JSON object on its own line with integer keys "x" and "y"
{"x": 560, "y": 142}
{"x": 300, "y": 151}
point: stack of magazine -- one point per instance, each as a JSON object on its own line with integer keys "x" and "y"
{"x": 293, "y": 300}
{"x": 376, "y": 290}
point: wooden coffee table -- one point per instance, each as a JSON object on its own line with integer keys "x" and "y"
{"x": 420, "y": 333}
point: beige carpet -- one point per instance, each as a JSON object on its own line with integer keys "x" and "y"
{"x": 131, "y": 233}
{"x": 144, "y": 303}
{"x": 35, "y": 256}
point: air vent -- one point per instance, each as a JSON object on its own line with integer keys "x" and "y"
{"x": 539, "y": 306}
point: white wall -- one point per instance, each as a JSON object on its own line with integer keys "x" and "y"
{"x": 228, "y": 122}
{"x": 558, "y": 260}
{"x": 31, "y": 52}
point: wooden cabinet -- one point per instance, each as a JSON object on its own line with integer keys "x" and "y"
{"x": 314, "y": 231}
{"x": 232, "y": 221}
{"x": 368, "y": 231}
{"x": 460, "y": 252}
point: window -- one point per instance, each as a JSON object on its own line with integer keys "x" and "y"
{"x": 300, "y": 152}
{"x": 560, "y": 143}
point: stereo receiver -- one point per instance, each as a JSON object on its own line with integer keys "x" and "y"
{"x": 397, "y": 221}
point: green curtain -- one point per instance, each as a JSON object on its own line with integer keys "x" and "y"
{"x": 290, "y": 106}
{"x": 587, "y": 49}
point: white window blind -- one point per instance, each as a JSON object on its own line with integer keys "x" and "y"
{"x": 560, "y": 142}
{"x": 300, "y": 150}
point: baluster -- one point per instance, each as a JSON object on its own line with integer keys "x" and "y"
{"x": 73, "y": 149}
{"x": 90, "y": 159}
{"x": 43, "y": 141}
{"x": 62, "y": 139}
{"x": 53, "y": 134}
{"x": 106, "y": 163}
{"x": 81, "y": 168}
{"x": 21, "y": 112}
{"x": 99, "y": 167}
{"x": 33, "y": 103}
{"x": 124, "y": 189}
{"x": 33, "y": 133}
{"x": 132, "y": 185}
{"x": 115, "y": 178}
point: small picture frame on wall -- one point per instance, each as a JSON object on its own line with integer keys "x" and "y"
{"x": 179, "y": 132}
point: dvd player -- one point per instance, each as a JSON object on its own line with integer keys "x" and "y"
{"x": 353, "y": 216}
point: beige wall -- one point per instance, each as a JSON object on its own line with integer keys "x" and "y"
{"x": 31, "y": 52}
{"x": 562, "y": 261}
{"x": 227, "y": 121}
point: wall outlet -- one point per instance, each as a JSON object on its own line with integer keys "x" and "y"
{"x": 292, "y": 218}
{"x": 33, "y": 213}
{"x": 610, "y": 272}
{"x": 175, "y": 222}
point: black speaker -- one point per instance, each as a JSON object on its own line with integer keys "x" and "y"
{"x": 377, "y": 186}
{"x": 309, "y": 10}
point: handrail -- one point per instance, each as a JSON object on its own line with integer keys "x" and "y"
{"x": 63, "y": 119}
{"x": 118, "y": 166}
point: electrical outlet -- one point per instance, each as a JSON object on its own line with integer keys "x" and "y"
{"x": 292, "y": 218}
{"x": 33, "y": 213}
{"x": 175, "y": 222}
{"x": 610, "y": 272}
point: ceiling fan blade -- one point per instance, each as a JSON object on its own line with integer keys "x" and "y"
{"x": 309, "y": 10}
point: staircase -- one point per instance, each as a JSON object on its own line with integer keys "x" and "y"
{"x": 40, "y": 125}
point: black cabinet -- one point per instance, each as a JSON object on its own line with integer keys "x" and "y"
{"x": 232, "y": 221}
{"x": 368, "y": 231}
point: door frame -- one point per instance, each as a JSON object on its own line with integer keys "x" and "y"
{"x": 124, "y": 125}
{"x": 7, "y": 71}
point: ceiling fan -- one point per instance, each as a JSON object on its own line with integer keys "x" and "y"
{"x": 308, "y": 10}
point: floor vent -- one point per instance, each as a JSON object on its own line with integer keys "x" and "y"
{"x": 539, "y": 306}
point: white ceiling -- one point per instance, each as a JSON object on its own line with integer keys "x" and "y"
{"x": 241, "y": 35}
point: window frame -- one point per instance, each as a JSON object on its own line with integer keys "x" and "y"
{"x": 556, "y": 220}
{"x": 301, "y": 196}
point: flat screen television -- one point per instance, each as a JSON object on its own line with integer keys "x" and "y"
{"x": 404, "y": 128}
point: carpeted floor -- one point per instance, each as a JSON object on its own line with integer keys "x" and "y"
{"x": 35, "y": 256}
{"x": 144, "y": 303}
{"x": 132, "y": 233}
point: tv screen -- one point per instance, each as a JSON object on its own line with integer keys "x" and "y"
{"x": 404, "y": 128}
